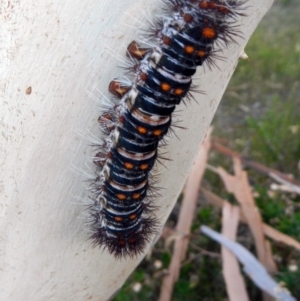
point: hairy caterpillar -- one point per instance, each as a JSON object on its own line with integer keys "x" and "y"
{"x": 122, "y": 210}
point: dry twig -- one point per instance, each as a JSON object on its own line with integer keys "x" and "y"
{"x": 286, "y": 185}
{"x": 257, "y": 166}
{"x": 252, "y": 267}
{"x": 235, "y": 284}
{"x": 185, "y": 220}
{"x": 268, "y": 230}
{"x": 239, "y": 186}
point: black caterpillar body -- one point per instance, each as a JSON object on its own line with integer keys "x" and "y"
{"x": 123, "y": 214}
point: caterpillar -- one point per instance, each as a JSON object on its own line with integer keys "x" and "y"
{"x": 190, "y": 35}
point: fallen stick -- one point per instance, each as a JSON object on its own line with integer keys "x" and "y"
{"x": 185, "y": 220}
{"x": 257, "y": 166}
{"x": 235, "y": 285}
{"x": 252, "y": 267}
{"x": 238, "y": 184}
{"x": 268, "y": 230}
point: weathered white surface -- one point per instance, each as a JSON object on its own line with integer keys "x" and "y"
{"x": 57, "y": 48}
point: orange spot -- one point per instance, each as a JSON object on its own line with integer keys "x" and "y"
{"x": 143, "y": 76}
{"x": 203, "y": 4}
{"x": 121, "y": 242}
{"x": 189, "y": 49}
{"x": 201, "y": 53}
{"x": 121, "y": 119}
{"x": 188, "y": 18}
{"x": 166, "y": 40}
{"x": 132, "y": 240}
{"x": 132, "y": 217}
{"x": 118, "y": 219}
{"x": 165, "y": 87}
{"x": 178, "y": 91}
{"x": 144, "y": 166}
{"x": 223, "y": 9}
{"x": 110, "y": 155}
{"x": 136, "y": 196}
{"x": 121, "y": 196}
{"x": 209, "y": 32}
{"x": 157, "y": 132}
{"x": 142, "y": 130}
{"x": 212, "y": 5}
{"x": 128, "y": 165}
